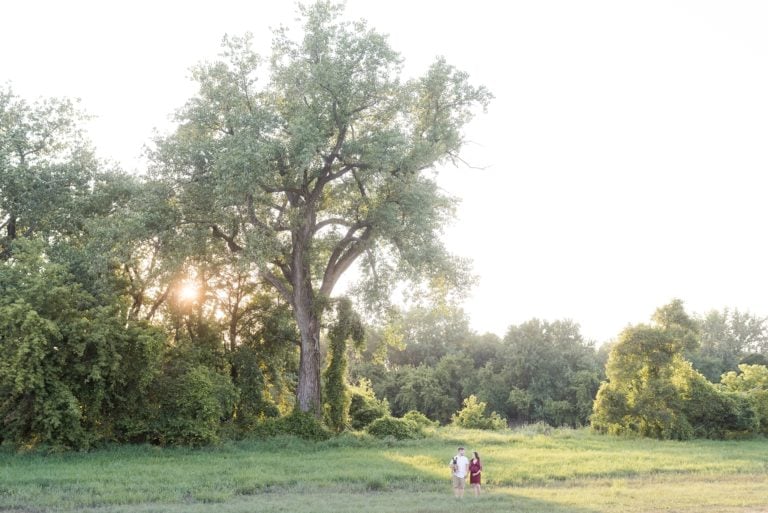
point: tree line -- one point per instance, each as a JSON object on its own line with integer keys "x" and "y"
{"x": 198, "y": 300}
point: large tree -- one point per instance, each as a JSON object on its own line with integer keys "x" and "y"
{"x": 47, "y": 169}
{"x": 326, "y": 164}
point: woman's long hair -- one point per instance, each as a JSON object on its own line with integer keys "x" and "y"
{"x": 477, "y": 456}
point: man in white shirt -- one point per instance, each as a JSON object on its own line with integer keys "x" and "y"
{"x": 460, "y": 468}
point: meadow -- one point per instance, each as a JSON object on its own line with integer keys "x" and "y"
{"x": 533, "y": 469}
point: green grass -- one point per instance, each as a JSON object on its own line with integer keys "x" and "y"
{"x": 562, "y": 471}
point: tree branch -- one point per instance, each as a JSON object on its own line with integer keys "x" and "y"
{"x": 322, "y": 224}
{"x": 281, "y": 288}
{"x": 344, "y": 254}
{"x": 159, "y": 301}
{"x": 233, "y": 246}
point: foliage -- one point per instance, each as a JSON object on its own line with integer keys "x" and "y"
{"x": 47, "y": 170}
{"x": 265, "y": 359}
{"x": 420, "y": 389}
{"x": 751, "y": 384}
{"x": 640, "y": 395}
{"x": 192, "y": 395}
{"x": 728, "y": 338}
{"x": 401, "y": 429}
{"x": 749, "y": 377}
{"x": 712, "y": 411}
{"x": 473, "y": 416}
{"x": 324, "y": 166}
{"x": 347, "y": 327}
{"x": 299, "y": 424}
{"x": 428, "y": 334}
{"x": 72, "y": 367}
{"x": 191, "y": 406}
{"x": 420, "y": 419}
{"x": 543, "y": 371}
{"x": 248, "y": 377}
{"x": 653, "y": 391}
{"x": 540, "y": 371}
{"x": 364, "y": 407}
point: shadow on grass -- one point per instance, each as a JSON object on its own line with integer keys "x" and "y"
{"x": 335, "y": 501}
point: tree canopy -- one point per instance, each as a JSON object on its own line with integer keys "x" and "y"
{"x": 46, "y": 168}
{"x": 200, "y": 300}
{"x": 320, "y": 161}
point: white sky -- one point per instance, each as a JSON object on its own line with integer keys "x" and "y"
{"x": 624, "y": 156}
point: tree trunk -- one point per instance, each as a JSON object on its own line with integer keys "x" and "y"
{"x": 308, "y": 391}
{"x": 307, "y": 315}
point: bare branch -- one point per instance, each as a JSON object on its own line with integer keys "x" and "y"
{"x": 455, "y": 156}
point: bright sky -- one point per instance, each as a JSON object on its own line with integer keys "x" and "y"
{"x": 624, "y": 157}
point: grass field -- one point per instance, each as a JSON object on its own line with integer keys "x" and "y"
{"x": 525, "y": 471}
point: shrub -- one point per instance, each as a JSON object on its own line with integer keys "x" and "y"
{"x": 364, "y": 408}
{"x": 472, "y": 416}
{"x": 192, "y": 403}
{"x": 420, "y": 419}
{"x": 303, "y": 425}
{"x": 249, "y": 379}
{"x": 400, "y": 429}
{"x": 297, "y": 423}
{"x": 73, "y": 367}
{"x": 759, "y": 401}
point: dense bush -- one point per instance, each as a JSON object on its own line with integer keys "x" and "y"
{"x": 251, "y": 382}
{"x": 364, "y": 408}
{"x": 472, "y": 416}
{"x": 653, "y": 391}
{"x": 401, "y": 429}
{"x": 759, "y": 401}
{"x": 712, "y": 411}
{"x": 751, "y": 383}
{"x": 297, "y": 423}
{"x": 192, "y": 402}
{"x": 420, "y": 419}
{"x": 73, "y": 368}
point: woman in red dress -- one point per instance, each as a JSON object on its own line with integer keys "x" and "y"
{"x": 475, "y": 468}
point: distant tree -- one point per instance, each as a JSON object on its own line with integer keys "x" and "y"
{"x": 545, "y": 371}
{"x": 325, "y": 166}
{"x": 728, "y": 338}
{"x": 653, "y": 391}
{"x": 428, "y": 333}
{"x": 640, "y": 394}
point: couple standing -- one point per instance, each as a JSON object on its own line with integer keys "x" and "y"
{"x": 461, "y": 466}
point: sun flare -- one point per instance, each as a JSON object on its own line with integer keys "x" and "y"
{"x": 188, "y": 291}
